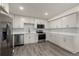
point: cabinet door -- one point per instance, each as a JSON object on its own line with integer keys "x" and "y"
{"x": 5, "y": 6}
{"x": 59, "y": 23}
{"x": 53, "y": 38}
{"x": 60, "y": 40}
{"x": 48, "y": 36}
{"x": 26, "y": 38}
{"x": 33, "y": 38}
{"x": 30, "y": 33}
{"x": 18, "y": 22}
{"x": 70, "y": 21}
{"x": 29, "y": 20}
{"x": 69, "y": 43}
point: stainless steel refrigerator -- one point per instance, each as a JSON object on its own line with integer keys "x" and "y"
{"x": 6, "y": 40}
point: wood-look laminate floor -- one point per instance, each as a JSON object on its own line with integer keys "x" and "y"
{"x": 41, "y": 49}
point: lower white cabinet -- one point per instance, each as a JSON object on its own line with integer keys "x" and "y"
{"x": 30, "y": 38}
{"x": 33, "y": 38}
{"x": 69, "y": 43}
{"x": 65, "y": 41}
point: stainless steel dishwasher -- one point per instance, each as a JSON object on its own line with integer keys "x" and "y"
{"x": 19, "y": 40}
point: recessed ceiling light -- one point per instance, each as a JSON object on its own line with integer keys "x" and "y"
{"x": 45, "y": 13}
{"x": 21, "y": 8}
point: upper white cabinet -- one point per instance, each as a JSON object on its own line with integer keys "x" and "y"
{"x": 4, "y": 13}
{"x": 29, "y": 20}
{"x": 64, "y": 22}
{"x": 69, "y": 21}
{"x": 18, "y": 22}
{"x": 4, "y": 7}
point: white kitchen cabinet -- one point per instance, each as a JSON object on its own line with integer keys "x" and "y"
{"x": 65, "y": 41}
{"x": 52, "y": 38}
{"x": 52, "y": 24}
{"x": 18, "y": 22}
{"x": 30, "y": 33}
{"x": 69, "y": 43}
{"x": 77, "y": 43}
{"x": 57, "y": 39}
{"x": 61, "y": 41}
{"x": 70, "y": 21}
{"x": 26, "y": 38}
{"x": 63, "y": 34}
{"x": 5, "y": 6}
{"x": 33, "y": 38}
{"x": 29, "y": 20}
{"x": 48, "y": 36}
{"x": 30, "y": 38}
{"x": 58, "y": 23}
{"x": 64, "y": 22}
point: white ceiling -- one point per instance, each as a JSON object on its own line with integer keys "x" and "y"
{"x": 38, "y": 9}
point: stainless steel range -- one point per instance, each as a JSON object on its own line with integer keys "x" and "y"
{"x": 41, "y": 33}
